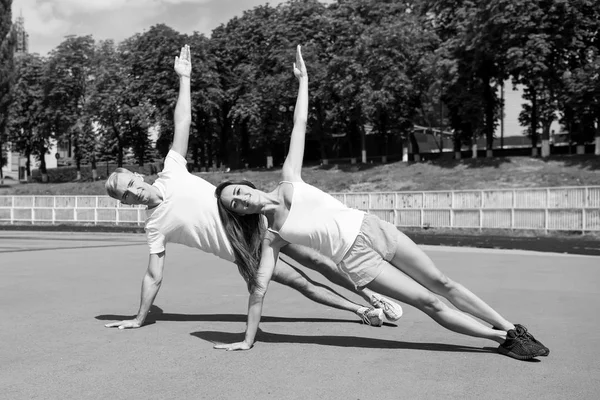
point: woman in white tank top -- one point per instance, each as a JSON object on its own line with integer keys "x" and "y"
{"x": 371, "y": 252}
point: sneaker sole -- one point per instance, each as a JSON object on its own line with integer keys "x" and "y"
{"x": 509, "y": 353}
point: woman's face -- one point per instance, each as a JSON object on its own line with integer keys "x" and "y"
{"x": 241, "y": 199}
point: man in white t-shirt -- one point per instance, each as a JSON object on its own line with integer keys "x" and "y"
{"x": 182, "y": 208}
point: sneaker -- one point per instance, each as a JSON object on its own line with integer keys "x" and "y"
{"x": 371, "y": 316}
{"x": 544, "y": 351}
{"x": 518, "y": 346}
{"x": 392, "y": 310}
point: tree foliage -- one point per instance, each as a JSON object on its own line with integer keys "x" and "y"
{"x": 376, "y": 67}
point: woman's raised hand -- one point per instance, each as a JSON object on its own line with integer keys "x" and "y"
{"x": 299, "y": 67}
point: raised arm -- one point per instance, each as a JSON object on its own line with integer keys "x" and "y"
{"x": 270, "y": 253}
{"x": 150, "y": 286}
{"x": 292, "y": 168}
{"x": 183, "y": 109}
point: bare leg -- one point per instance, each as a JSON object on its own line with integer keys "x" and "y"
{"x": 393, "y": 283}
{"x": 294, "y": 278}
{"x": 411, "y": 260}
{"x": 314, "y": 260}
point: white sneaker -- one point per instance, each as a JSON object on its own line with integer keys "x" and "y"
{"x": 371, "y": 316}
{"x": 392, "y": 310}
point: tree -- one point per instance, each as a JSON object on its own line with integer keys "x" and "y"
{"x": 7, "y": 41}
{"x": 150, "y": 56}
{"x": 207, "y": 94}
{"x": 471, "y": 45}
{"x": 28, "y": 122}
{"x": 69, "y": 89}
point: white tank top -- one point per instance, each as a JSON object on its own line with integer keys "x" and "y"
{"x": 319, "y": 221}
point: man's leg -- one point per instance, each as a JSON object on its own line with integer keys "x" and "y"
{"x": 314, "y": 260}
{"x": 287, "y": 275}
{"x": 317, "y": 262}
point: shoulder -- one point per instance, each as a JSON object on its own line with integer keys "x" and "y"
{"x": 174, "y": 160}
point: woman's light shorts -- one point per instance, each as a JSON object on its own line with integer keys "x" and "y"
{"x": 375, "y": 244}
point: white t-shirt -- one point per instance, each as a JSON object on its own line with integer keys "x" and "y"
{"x": 188, "y": 213}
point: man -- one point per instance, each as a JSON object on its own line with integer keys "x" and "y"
{"x": 182, "y": 209}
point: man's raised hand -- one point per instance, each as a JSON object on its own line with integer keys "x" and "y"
{"x": 183, "y": 63}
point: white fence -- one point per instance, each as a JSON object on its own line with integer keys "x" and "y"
{"x": 563, "y": 208}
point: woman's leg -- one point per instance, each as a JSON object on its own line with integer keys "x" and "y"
{"x": 411, "y": 260}
{"x": 393, "y": 283}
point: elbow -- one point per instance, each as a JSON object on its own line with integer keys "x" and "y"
{"x": 259, "y": 293}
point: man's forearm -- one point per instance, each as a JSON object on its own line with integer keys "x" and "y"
{"x": 150, "y": 288}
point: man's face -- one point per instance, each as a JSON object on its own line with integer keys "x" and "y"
{"x": 131, "y": 189}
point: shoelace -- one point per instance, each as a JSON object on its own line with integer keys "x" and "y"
{"x": 364, "y": 317}
{"x": 381, "y": 304}
{"x": 526, "y": 333}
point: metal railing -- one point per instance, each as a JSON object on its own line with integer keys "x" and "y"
{"x": 561, "y": 208}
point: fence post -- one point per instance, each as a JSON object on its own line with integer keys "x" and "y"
{"x": 481, "y": 204}
{"x": 546, "y": 213}
{"x": 512, "y": 209}
{"x": 33, "y": 210}
{"x": 452, "y": 209}
{"x": 422, "y": 209}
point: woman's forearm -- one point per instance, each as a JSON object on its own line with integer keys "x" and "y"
{"x": 255, "y": 305}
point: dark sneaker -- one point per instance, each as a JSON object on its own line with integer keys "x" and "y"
{"x": 518, "y": 346}
{"x": 544, "y": 351}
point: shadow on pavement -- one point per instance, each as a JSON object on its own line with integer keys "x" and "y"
{"x": 219, "y": 318}
{"x": 157, "y": 314}
{"x": 217, "y": 337}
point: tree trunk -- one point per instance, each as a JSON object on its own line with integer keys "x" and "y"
{"x": 597, "y": 136}
{"x": 414, "y": 146}
{"x": 94, "y": 168}
{"x": 457, "y": 145}
{"x": 534, "y": 123}
{"x": 320, "y": 130}
{"x": 43, "y": 169}
{"x": 28, "y": 165}
{"x": 363, "y": 143}
{"x": 489, "y": 120}
{"x": 546, "y": 140}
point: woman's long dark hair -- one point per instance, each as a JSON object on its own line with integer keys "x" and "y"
{"x": 245, "y": 234}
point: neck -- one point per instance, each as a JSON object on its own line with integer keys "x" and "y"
{"x": 271, "y": 202}
{"x": 156, "y": 197}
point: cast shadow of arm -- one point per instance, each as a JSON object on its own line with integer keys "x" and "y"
{"x": 217, "y": 337}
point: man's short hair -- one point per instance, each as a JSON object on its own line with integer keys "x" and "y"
{"x": 111, "y": 182}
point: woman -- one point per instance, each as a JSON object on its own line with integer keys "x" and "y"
{"x": 373, "y": 253}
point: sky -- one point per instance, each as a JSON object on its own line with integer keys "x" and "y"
{"x": 49, "y": 21}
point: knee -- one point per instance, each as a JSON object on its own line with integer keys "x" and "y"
{"x": 431, "y": 305}
{"x": 443, "y": 285}
{"x": 297, "y": 282}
